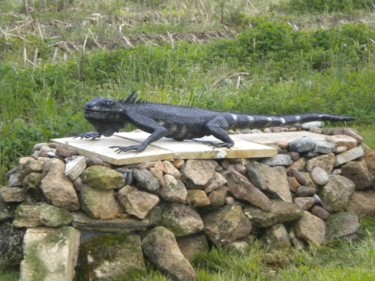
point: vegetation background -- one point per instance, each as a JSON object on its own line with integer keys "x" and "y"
{"x": 250, "y": 56}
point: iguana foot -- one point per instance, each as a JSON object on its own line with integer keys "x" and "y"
{"x": 215, "y": 144}
{"x": 90, "y": 135}
{"x": 136, "y": 148}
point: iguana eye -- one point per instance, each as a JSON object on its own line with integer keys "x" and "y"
{"x": 108, "y": 102}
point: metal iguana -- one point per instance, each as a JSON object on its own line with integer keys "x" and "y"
{"x": 179, "y": 122}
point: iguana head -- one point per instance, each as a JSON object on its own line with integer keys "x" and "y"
{"x": 107, "y": 116}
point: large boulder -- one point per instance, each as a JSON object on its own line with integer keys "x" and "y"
{"x": 271, "y": 180}
{"x": 181, "y": 219}
{"x": 112, "y": 257}
{"x": 336, "y": 193}
{"x": 311, "y": 229}
{"x": 100, "y": 204}
{"x": 199, "y": 172}
{"x": 50, "y": 254}
{"x": 362, "y": 203}
{"x": 281, "y": 212}
{"x": 161, "y": 248}
{"x": 241, "y": 188}
{"x": 358, "y": 172}
{"x": 137, "y": 203}
{"x": 226, "y": 225}
{"x": 58, "y": 189}
{"x": 342, "y": 225}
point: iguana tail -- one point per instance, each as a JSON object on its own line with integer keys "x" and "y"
{"x": 260, "y": 121}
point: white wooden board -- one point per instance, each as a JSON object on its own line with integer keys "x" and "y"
{"x": 163, "y": 149}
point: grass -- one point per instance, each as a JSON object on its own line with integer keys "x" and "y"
{"x": 257, "y": 57}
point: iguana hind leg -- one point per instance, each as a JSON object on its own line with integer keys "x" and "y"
{"x": 217, "y": 127}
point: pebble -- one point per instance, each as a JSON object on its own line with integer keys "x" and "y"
{"x": 298, "y": 175}
{"x": 320, "y": 212}
{"x": 305, "y": 191}
{"x": 319, "y": 176}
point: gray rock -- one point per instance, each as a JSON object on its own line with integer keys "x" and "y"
{"x": 15, "y": 180}
{"x": 57, "y": 188}
{"x": 349, "y": 155}
{"x": 50, "y": 253}
{"x": 281, "y": 212}
{"x": 240, "y": 187}
{"x": 112, "y": 257}
{"x": 192, "y": 246}
{"x": 326, "y": 162}
{"x": 271, "y": 180}
{"x": 226, "y": 225}
{"x": 362, "y": 203}
{"x": 310, "y": 229}
{"x": 173, "y": 190}
{"x": 100, "y": 204}
{"x": 12, "y": 194}
{"x": 217, "y": 181}
{"x": 199, "y": 172}
{"x": 341, "y": 225}
{"x": 358, "y": 172}
{"x": 161, "y": 248}
{"x": 276, "y": 237}
{"x": 146, "y": 181}
{"x": 11, "y": 251}
{"x": 278, "y": 160}
{"x": 319, "y": 176}
{"x": 75, "y": 167}
{"x": 182, "y": 220}
{"x": 136, "y": 203}
{"x": 302, "y": 145}
{"x": 102, "y": 178}
{"x": 94, "y": 161}
{"x": 324, "y": 147}
{"x": 304, "y": 203}
{"x": 336, "y": 193}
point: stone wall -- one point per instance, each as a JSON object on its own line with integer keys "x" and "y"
{"x": 80, "y": 216}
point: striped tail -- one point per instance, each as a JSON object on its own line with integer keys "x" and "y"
{"x": 260, "y": 121}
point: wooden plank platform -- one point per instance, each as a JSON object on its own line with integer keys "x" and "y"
{"x": 246, "y": 146}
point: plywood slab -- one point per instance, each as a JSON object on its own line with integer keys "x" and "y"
{"x": 164, "y": 149}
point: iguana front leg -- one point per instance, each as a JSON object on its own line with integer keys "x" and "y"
{"x": 148, "y": 125}
{"x": 217, "y": 127}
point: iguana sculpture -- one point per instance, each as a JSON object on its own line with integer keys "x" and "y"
{"x": 179, "y": 122}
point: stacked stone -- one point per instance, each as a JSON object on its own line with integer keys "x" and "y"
{"x": 111, "y": 218}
